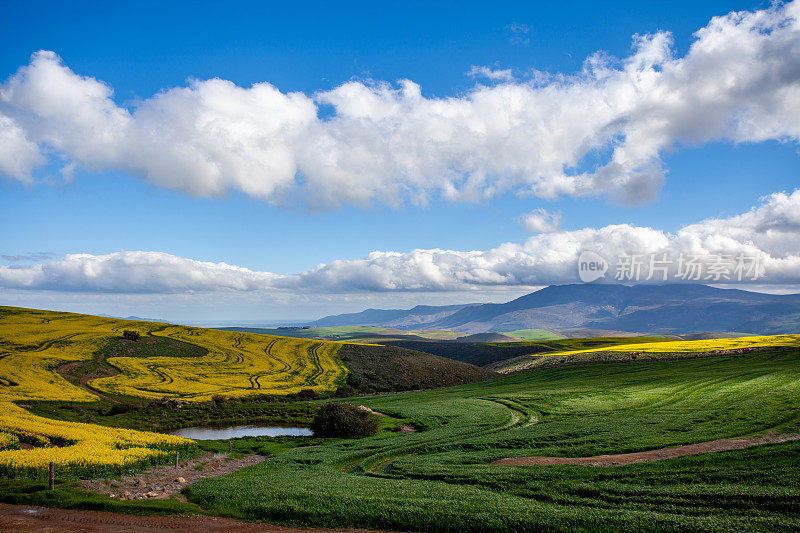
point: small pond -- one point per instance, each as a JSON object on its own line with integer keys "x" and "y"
{"x": 232, "y": 432}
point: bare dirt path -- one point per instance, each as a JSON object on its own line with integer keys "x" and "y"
{"x": 102, "y": 370}
{"x": 650, "y": 455}
{"x": 40, "y": 519}
{"x": 167, "y": 481}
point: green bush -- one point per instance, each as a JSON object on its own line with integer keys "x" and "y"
{"x": 343, "y": 420}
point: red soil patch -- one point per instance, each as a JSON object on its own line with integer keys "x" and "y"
{"x": 650, "y": 455}
{"x": 26, "y": 518}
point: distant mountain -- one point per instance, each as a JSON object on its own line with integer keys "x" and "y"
{"x": 392, "y": 318}
{"x": 140, "y": 319}
{"x": 674, "y": 309}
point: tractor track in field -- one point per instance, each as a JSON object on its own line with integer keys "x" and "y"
{"x": 268, "y": 352}
{"x": 648, "y": 456}
{"x": 375, "y": 462}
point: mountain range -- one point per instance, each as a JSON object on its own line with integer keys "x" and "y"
{"x": 665, "y": 309}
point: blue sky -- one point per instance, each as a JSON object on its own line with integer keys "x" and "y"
{"x": 142, "y": 49}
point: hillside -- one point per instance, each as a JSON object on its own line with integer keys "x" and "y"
{"x": 439, "y": 478}
{"x": 674, "y": 309}
{"x": 394, "y": 369}
{"x": 494, "y": 355}
{"x": 36, "y": 345}
{"x": 46, "y": 355}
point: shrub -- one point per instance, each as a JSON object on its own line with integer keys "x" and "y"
{"x": 122, "y": 408}
{"x": 131, "y": 335}
{"x": 344, "y": 391}
{"x": 343, "y": 420}
{"x": 308, "y": 394}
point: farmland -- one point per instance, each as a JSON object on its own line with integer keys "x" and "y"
{"x": 45, "y": 356}
{"x": 87, "y": 392}
{"x": 80, "y": 371}
{"x": 352, "y": 333}
{"x": 82, "y": 449}
{"x": 33, "y": 344}
{"x": 440, "y": 478}
{"x": 583, "y": 351}
{"x": 488, "y": 354}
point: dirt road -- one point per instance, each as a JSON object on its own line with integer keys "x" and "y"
{"x": 650, "y": 455}
{"x": 40, "y": 519}
{"x": 167, "y": 481}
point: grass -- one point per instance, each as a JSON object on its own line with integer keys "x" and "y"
{"x": 534, "y": 334}
{"x": 439, "y": 479}
{"x": 260, "y": 445}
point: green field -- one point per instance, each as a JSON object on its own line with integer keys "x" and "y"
{"x": 534, "y": 334}
{"x": 352, "y": 333}
{"x": 439, "y": 478}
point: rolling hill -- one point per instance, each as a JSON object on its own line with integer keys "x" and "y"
{"x": 674, "y": 309}
{"x": 46, "y": 355}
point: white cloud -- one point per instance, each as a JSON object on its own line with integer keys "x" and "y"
{"x": 18, "y": 155}
{"x": 738, "y": 82}
{"x": 768, "y": 231}
{"x": 491, "y": 74}
{"x": 540, "y": 221}
{"x": 132, "y": 272}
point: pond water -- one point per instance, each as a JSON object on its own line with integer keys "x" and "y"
{"x": 232, "y": 432}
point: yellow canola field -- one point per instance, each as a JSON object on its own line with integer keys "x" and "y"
{"x": 698, "y": 346}
{"x": 83, "y": 449}
{"x": 237, "y": 364}
{"x": 33, "y": 344}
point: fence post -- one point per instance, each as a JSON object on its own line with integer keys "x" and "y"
{"x": 177, "y": 455}
{"x": 230, "y": 448}
{"x": 52, "y": 475}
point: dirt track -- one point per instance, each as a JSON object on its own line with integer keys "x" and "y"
{"x": 650, "y": 455}
{"x": 39, "y": 519}
{"x": 167, "y": 481}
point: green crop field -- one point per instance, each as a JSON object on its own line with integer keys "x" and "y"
{"x": 534, "y": 334}
{"x": 352, "y": 333}
{"x": 439, "y": 479}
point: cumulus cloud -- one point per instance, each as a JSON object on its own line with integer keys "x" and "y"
{"x": 132, "y": 272}
{"x": 540, "y": 221}
{"x": 738, "y": 82}
{"x": 19, "y": 156}
{"x": 768, "y": 233}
